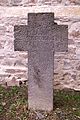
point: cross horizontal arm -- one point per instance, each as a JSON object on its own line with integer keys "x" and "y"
{"x": 61, "y": 38}
{"x": 21, "y": 38}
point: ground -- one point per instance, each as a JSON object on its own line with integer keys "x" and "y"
{"x": 14, "y": 105}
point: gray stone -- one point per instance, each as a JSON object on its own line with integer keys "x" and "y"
{"x": 61, "y": 38}
{"x": 39, "y": 116}
{"x": 4, "y": 2}
{"x": 41, "y": 38}
{"x": 15, "y": 2}
{"x": 21, "y": 43}
{"x": 40, "y": 89}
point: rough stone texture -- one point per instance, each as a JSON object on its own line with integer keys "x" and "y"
{"x": 41, "y": 37}
{"x": 40, "y": 87}
{"x": 66, "y": 67}
{"x": 11, "y": 64}
{"x": 38, "y": 2}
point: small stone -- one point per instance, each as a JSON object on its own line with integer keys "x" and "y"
{"x": 78, "y": 68}
{"x": 3, "y": 103}
{"x": 74, "y": 109}
{"x": 39, "y": 116}
{"x": 15, "y": 2}
{"x": 12, "y": 81}
{"x": 74, "y": 30}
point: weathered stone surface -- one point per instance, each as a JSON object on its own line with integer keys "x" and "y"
{"x": 74, "y": 30}
{"x": 15, "y": 2}
{"x": 40, "y": 66}
{"x": 11, "y": 16}
{"x": 61, "y": 38}
{"x": 12, "y": 81}
{"x": 38, "y": 2}
{"x": 40, "y": 77}
{"x": 4, "y": 2}
{"x": 41, "y": 38}
{"x": 75, "y": 2}
{"x": 66, "y": 13}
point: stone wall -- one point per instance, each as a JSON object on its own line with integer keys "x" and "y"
{"x": 13, "y": 65}
{"x": 38, "y": 2}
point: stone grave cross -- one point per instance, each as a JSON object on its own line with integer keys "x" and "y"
{"x": 41, "y": 38}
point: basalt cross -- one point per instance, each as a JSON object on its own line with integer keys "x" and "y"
{"x": 41, "y": 38}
